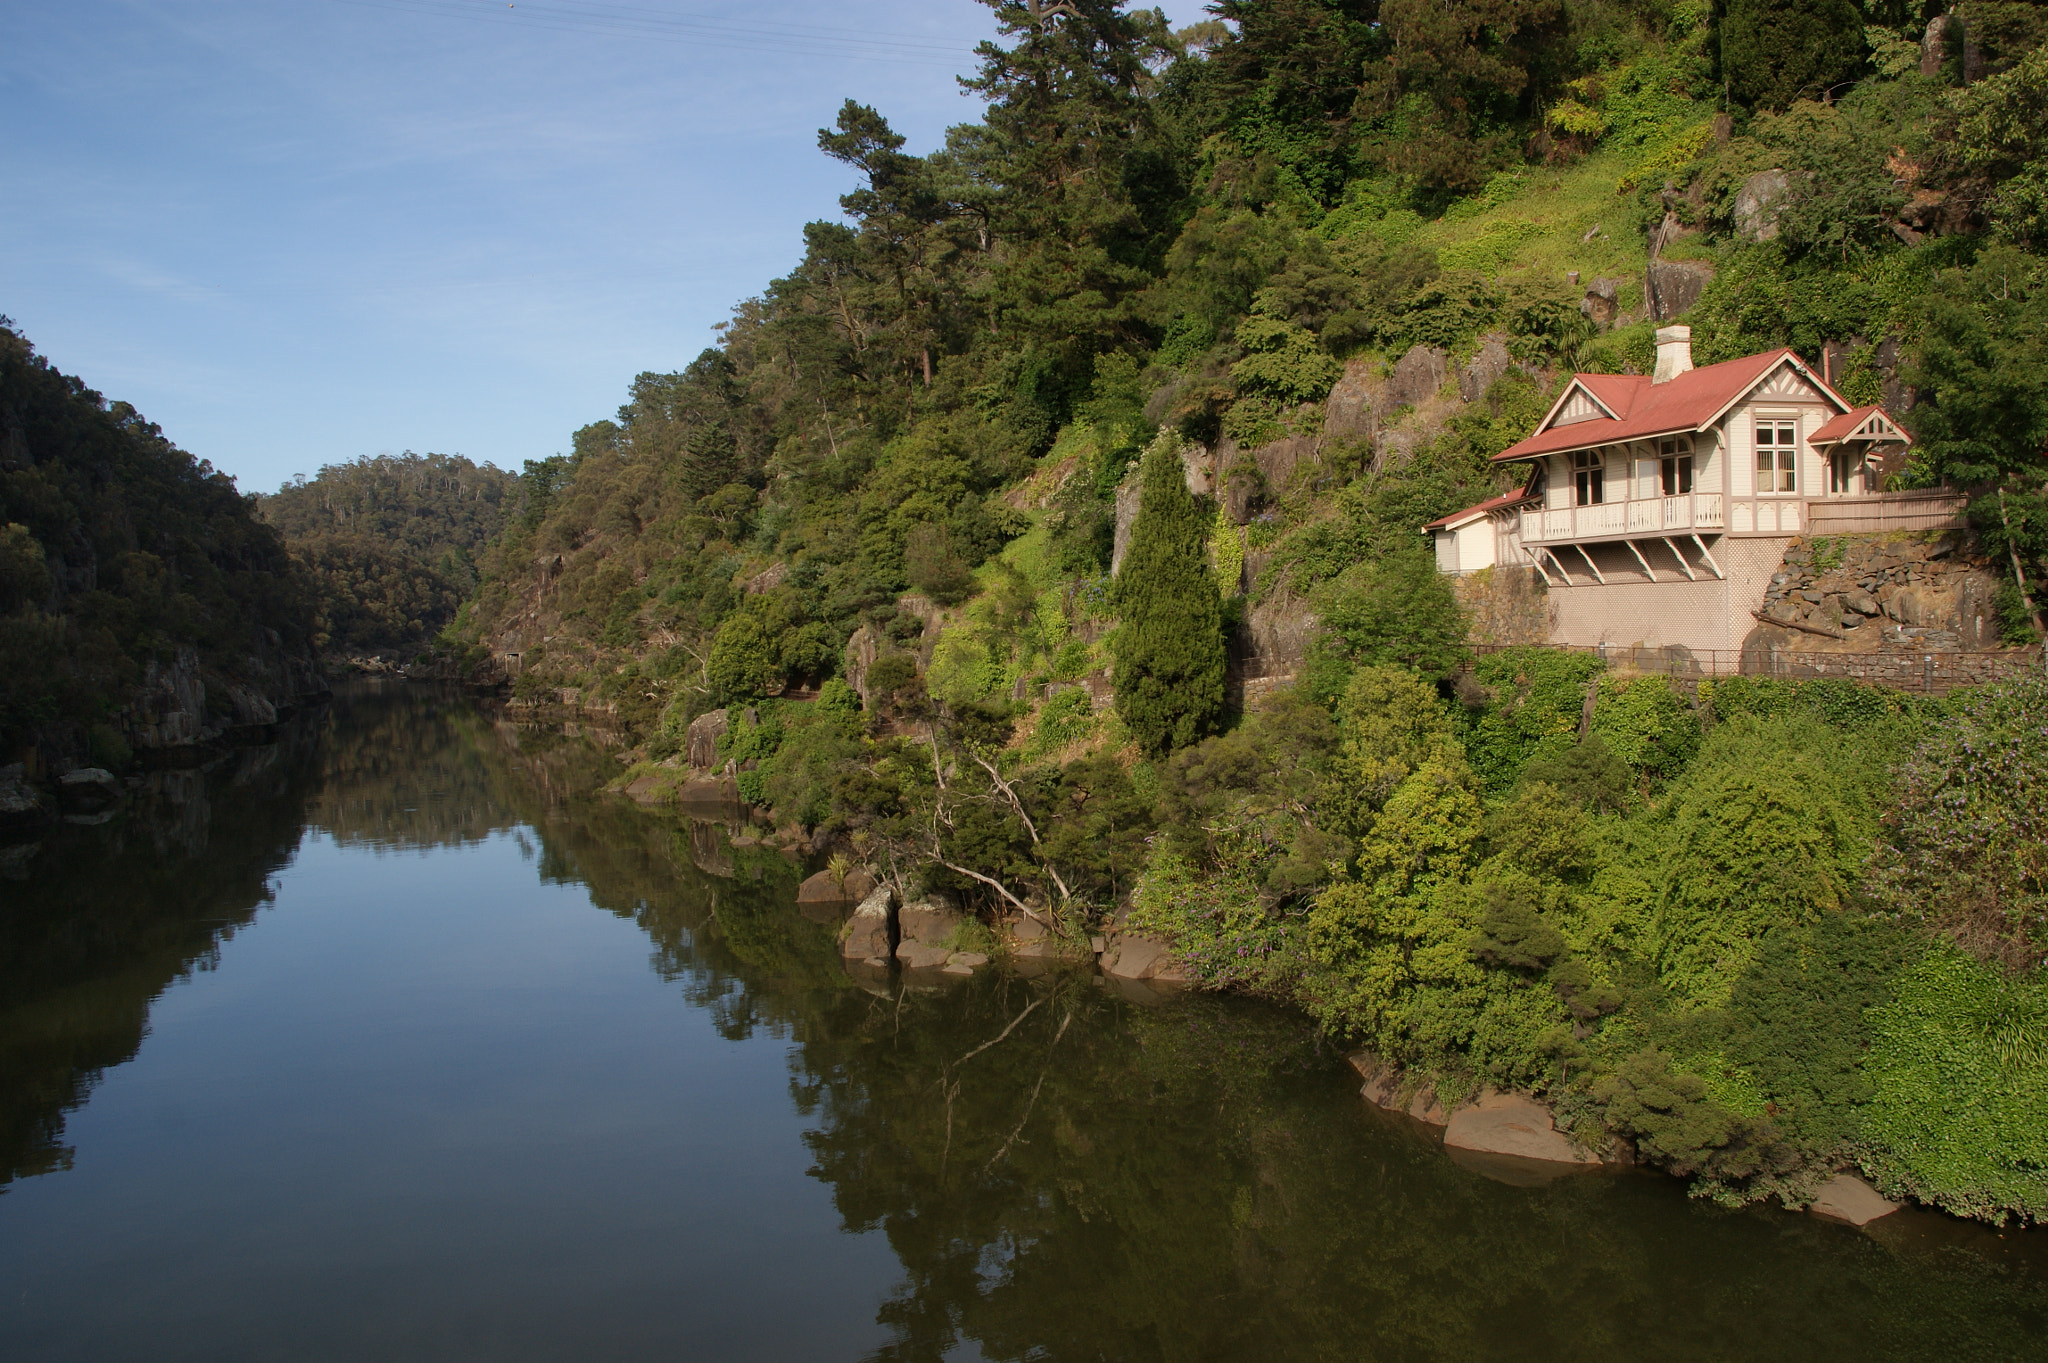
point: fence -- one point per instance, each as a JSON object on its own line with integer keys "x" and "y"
{"x": 1933, "y": 509}
{"x": 1930, "y": 673}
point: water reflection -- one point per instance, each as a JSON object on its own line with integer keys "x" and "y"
{"x": 1058, "y": 1173}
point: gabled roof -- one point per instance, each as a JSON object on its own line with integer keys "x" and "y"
{"x": 1865, "y": 423}
{"x": 1479, "y": 510}
{"x": 1691, "y": 402}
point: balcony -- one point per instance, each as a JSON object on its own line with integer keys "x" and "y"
{"x": 1696, "y": 511}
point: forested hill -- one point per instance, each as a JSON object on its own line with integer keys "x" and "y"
{"x": 1195, "y": 232}
{"x": 390, "y": 543}
{"x": 134, "y": 581}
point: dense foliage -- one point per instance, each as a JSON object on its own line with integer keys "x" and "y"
{"x": 903, "y": 475}
{"x": 119, "y": 550}
{"x": 390, "y": 543}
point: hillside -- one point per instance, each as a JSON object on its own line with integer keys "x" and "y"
{"x": 389, "y": 544}
{"x": 142, "y": 604}
{"x": 1078, "y": 474}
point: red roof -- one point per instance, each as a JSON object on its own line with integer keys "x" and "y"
{"x": 1843, "y": 424}
{"x": 1506, "y": 499}
{"x": 1643, "y": 409}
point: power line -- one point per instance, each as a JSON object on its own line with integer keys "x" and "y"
{"x": 566, "y": 16}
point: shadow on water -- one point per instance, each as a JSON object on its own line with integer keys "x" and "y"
{"x": 1061, "y": 1174}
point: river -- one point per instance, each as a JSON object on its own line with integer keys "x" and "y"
{"x": 392, "y": 1041}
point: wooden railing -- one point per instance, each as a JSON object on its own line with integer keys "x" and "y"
{"x": 1615, "y": 520}
{"x": 1933, "y": 509}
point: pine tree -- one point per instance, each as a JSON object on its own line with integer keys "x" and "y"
{"x": 1169, "y": 649}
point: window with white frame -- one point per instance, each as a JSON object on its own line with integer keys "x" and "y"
{"x": 1589, "y": 474}
{"x": 1777, "y": 455}
{"x": 1674, "y": 465}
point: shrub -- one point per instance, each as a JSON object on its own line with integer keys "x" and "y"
{"x": 1760, "y": 834}
{"x": 1398, "y": 611}
{"x": 1959, "y": 1067}
{"x": 1966, "y": 850}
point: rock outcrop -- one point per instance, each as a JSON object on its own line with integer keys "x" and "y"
{"x": 1512, "y": 1124}
{"x": 1871, "y": 593}
{"x": 824, "y": 889}
{"x": 1127, "y": 957}
{"x": 700, "y": 742}
{"x": 1848, "y": 1199}
{"x": 870, "y": 931}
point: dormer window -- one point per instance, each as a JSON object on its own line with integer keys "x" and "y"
{"x": 1777, "y": 456}
{"x": 1674, "y": 462}
{"x": 1589, "y": 472}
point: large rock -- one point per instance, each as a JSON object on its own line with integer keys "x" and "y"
{"x": 1353, "y": 408}
{"x": 919, "y": 956}
{"x": 826, "y": 889}
{"x": 1673, "y": 286}
{"x": 1602, "y": 302}
{"x": 88, "y": 787}
{"x": 928, "y": 922}
{"x": 1480, "y": 373}
{"x": 1127, "y": 495}
{"x": 862, "y": 649}
{"x": 1512, "y": 1124}
{"x": 1757, "y": 203}
{"x": 1417, "y": 375}
{"x": 700, "y": 744}
{"x": 170, "y": 712}
{"x": 1140, "y": 958}
{"x": 870, "y": 932}
{"x": 20, "y": 802}
{"x": 709, "y": 792}
{"x": 1849, "y": 1199}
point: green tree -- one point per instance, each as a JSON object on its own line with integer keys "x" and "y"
{"x": 1982, "y": 368}
{"x": 1169, "y": 646}
{"x": 1398, "y": 611}
{"x": 1773, "y": 52}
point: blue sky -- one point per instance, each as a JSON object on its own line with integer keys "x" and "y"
{"x": 294, "y": 232}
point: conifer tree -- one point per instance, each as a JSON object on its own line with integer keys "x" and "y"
{"x": 1169, "y": 649}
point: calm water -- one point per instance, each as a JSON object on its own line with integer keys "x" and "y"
{"x": 386, "y": 1043}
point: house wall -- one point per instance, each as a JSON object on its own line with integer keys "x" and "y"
{"x": 1711, "y": 613}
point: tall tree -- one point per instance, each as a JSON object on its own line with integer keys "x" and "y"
{"x": 1169, "y": 648}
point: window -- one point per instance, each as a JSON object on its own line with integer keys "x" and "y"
{"x": 1675, "y": 465}
{"x": 1777, "y": 456}
{"x": 1842, "y": 468}
{"x": 1588, "y": 474}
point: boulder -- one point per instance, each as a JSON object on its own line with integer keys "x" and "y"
{"x": 928, "y": 922}
{"x": 871, "y": 931}
{"x": 1417, "y": 375}
{"x": 1512, "y": 1124}
{"x": 918, "y": 956}
{"x": 1673, "y": 286}
{"x": 1756, "y": 204}
{"x": 1197, "y": 469}
{"x": 20, "y": 802}
{"x": 702, "y": 791}
{"x": 89, "y": 787}
{"x": 1352, "y": 410}
{"x": 824, "y": 888}
{"x": 700, "y": 745}
{"x": 1602, "y": 302}
{"x": 1848, "y": 1199}
{"x": 643, "y": 789}
{"x": 862, "y": 649}
{"x": 1479, "y": 373}
{"x": 1140, "y": 958}
{"x": 1126, "y": 513}
{"x": 970, "y": 959}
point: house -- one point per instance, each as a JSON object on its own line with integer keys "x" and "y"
{"x": 1657, "y": 508}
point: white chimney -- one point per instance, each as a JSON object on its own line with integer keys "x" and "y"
{"x": 1674, "y": 353}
